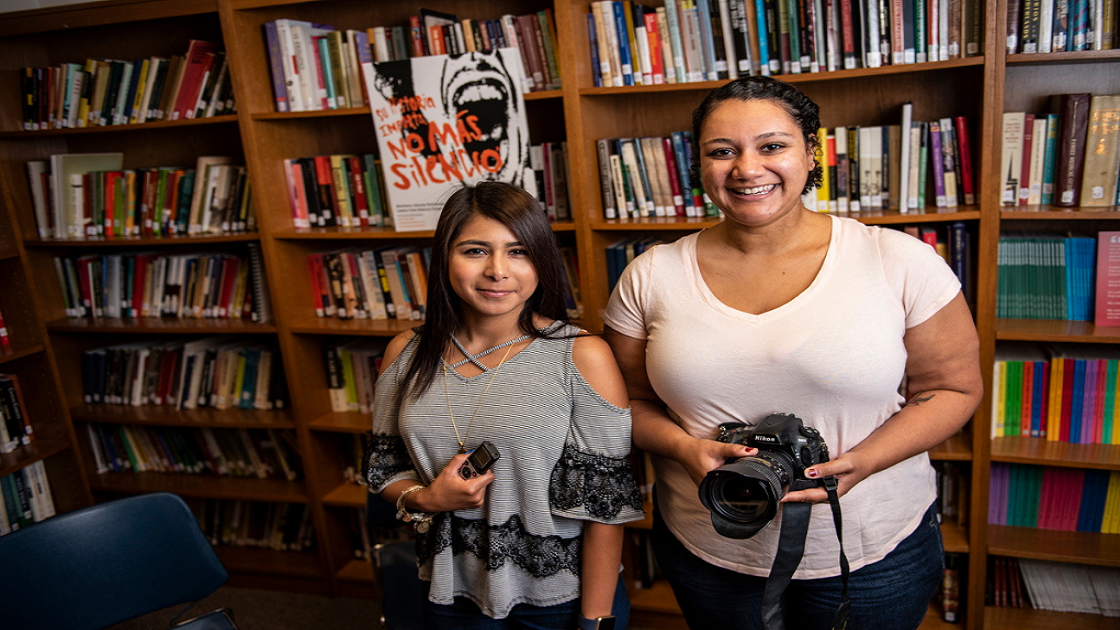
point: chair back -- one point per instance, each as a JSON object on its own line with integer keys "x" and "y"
{"x": 105, "y": 564}
{"x": 402, "y": 591}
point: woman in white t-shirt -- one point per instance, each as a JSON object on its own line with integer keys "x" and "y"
{"x": 778, "y": 309}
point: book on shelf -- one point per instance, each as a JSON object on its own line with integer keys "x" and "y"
{"x": 429, "y": 123}
{"x": 1107, "y": 283}
{"x": 277, "y": 526}
{"x": 711, "y": 40}
{"x": 1073, "y": 121}
{"x": 15, "y": 426}
{"x": 102, "y": 92}
{"x": 1059, "y": 392}
{"x": 5, "y": 338}
{"x": 25, "y": 498}
{"x": 1046, "y": 276}
{"x": 1102, "y": 151}
{"x": 1043, "y": 26}
{"x": 191, "y": 286}
{"x": 1056, "y": 586}
{"x": 103, "y": 200}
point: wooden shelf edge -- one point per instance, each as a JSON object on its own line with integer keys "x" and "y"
{"x": 1030, "y": 619}
{"x": 1040, "y": 451}
{"x": 158, "y": 325}
{"x": 200, "y": 486}
{"x": 24, "y": 456}
{"x": 1054, "y": 546}
{"x": 150, "y": 415}
{"x": 18, "y": 351}
{"x": 347, "y": 495}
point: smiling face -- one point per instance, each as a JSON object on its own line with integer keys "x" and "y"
{"x": 490, "y": 270}
{"x": 754, "y": 161}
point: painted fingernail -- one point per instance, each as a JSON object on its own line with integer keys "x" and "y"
{"x": 811, "y": 473}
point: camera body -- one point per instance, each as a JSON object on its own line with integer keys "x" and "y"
{"x": 479, "y": 460}
{"x": 744, "y": 493}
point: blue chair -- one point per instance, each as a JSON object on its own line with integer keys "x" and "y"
{"x": 104, "y": 564}
{"x": 395, "y": 571}
{"x": 402, "y": 591}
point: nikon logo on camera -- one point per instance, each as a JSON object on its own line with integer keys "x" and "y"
{"x": 765, "y": 438}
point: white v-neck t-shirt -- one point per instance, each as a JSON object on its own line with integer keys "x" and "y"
{"x": 833, "y": 356}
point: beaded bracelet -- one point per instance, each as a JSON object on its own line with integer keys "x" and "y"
{"x": 421, "y": 521}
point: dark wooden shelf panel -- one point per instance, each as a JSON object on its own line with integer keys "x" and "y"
{"x": 1054, "y": 213}
{"x": 357, "y": 571}
{"x": 334, "y": 326}
{"x": 1054, "y": 545}
{"x": 342, "y": 422}
{"x": 99, "y": 14}
{"x": 347, "y": 495}
{"x": 955, "y": 538}
{"x": 1055, "y": 330}
{"x": 158, "y": 325}
{"x": 167, "y": 416}
{"x": 24, "y": 456}
{"x": 200, "y": 486}
{"x": 270, "y": 561}
{"x": 1063, "y": 57}
{"x": 805, "y": 77}
{"x": 647, "y": 224}
{"x": 19, "y": 350}
{"x": 148, "y": 126}
{"x": 178, "y": 240}
{"x": 1030, "y": 619}
{"x": 1026, "y": 450}
{"x": 956, "y": 448}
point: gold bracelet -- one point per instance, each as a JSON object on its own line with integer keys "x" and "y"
{"x": 420, "y": 520}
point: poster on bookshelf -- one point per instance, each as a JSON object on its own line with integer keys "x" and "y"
{"x": 444, "y": 120}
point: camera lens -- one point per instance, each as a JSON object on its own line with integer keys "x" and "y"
{"x": 743, "y": 496}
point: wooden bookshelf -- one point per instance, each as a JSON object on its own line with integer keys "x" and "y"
{"x": 47, "y": 345}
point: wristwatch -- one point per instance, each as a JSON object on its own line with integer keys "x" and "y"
{"x": 605, "y": 622}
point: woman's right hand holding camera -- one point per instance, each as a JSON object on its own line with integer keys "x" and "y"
{"x": 449, "y": 491}
{"x": 701, "y": 456}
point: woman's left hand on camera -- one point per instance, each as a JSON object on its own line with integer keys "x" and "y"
{"x": 848, "y": 468}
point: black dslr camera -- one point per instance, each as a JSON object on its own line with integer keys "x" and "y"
{"x": 743, "y": 494}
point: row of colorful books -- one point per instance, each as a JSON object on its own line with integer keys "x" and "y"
{"x": 337, "y": 190}
{"x": 1059, "y": 392}
{"x": 1046, "y": 276}
{"x": 952, "y": 493}
{"x": 1043, "y": 26}
{"x": 196, "y": 286}
{"x": 25, "y": 498}
{"x": 883, "y": 168}
{"x": 15, "y": 426}
{"x": 104, "y": 92}
{"x": 705, "y": 40}
{"x": 276, "y": 526}
{"x": 382, "y": 283}
{"x": 352, "y": 369}
{"x": 1068, "y": 157}
{"x": 1053, "y": 497}
{"x": 216, "y": 372}
{"x": 1057, "y": 586}
{"x": 91, "y": 195}
{"x": 318, "y": 67}
{"x": 649, "y": 177}
{"x": 256, "y": 453}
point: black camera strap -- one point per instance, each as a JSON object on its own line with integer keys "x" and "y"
{"x": 791, "y": 548}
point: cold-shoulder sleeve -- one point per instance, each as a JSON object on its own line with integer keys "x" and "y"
{"x": 594, "y": 479}
{"x": 386, "y": 457}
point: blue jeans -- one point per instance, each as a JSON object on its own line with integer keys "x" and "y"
{"x": 891, "y": 594}
{"x": 464, "y": 614}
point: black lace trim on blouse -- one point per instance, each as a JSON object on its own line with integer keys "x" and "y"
{"x": 603, "y": 485}
{"x": 385, "y": 457}
{"x": 540, "y": 556}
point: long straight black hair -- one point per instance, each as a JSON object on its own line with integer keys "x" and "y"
{"x": 516, "y": 209}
